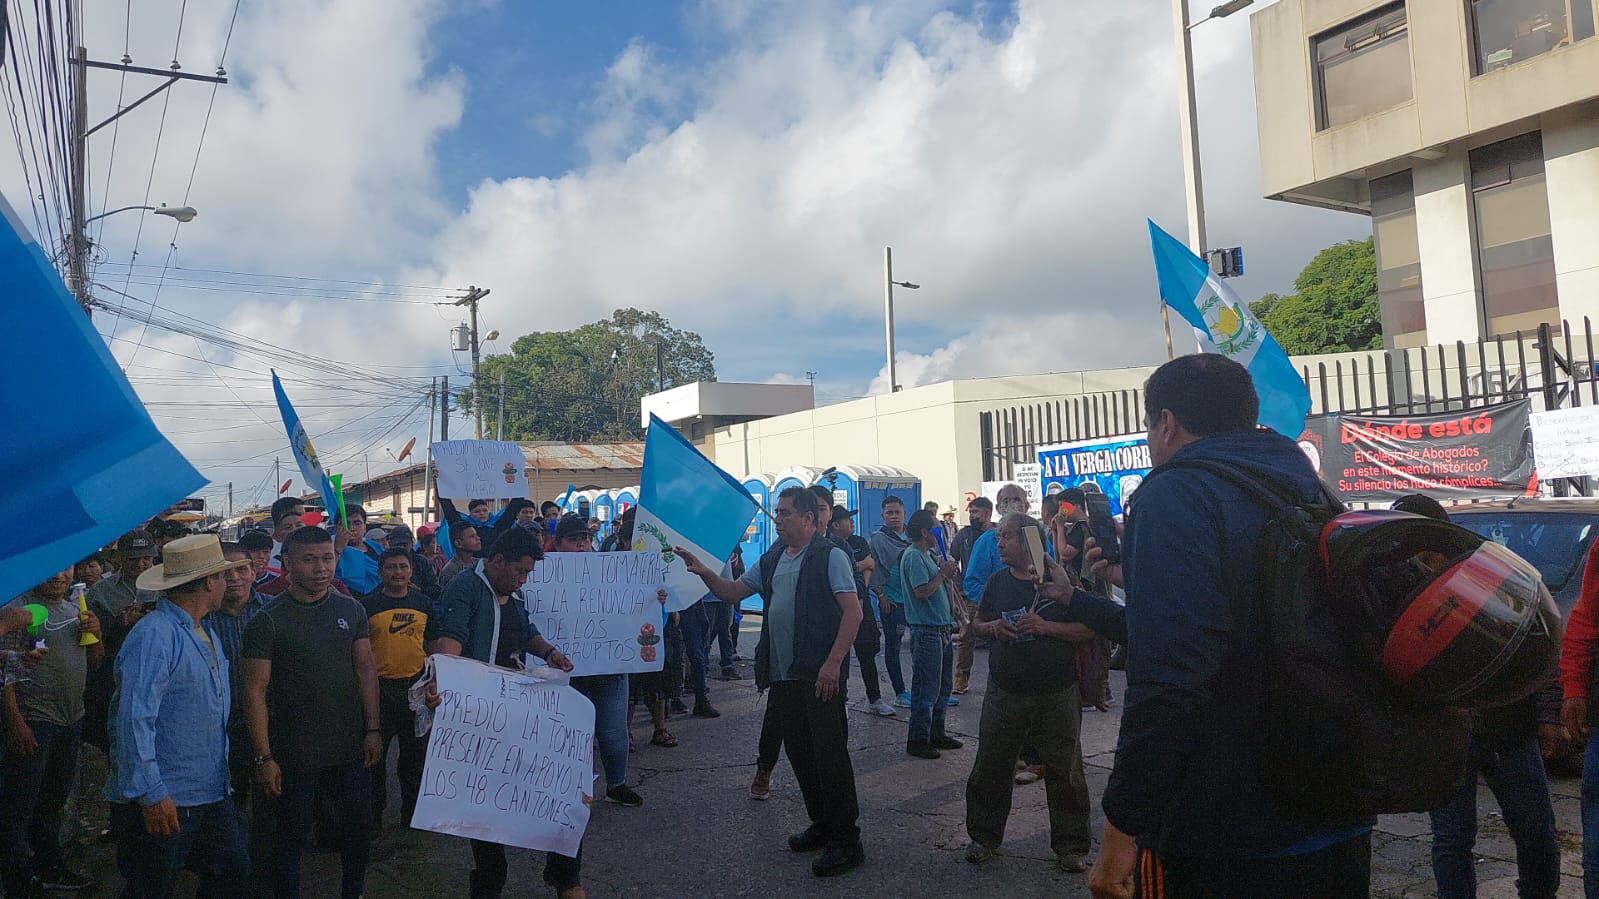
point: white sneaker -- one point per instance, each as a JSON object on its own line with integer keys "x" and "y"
{"x": 882, "y": 707}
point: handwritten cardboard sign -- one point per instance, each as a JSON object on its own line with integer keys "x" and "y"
{"x": 601, "y": 609}
{"x": 480, "y": 469}
{"x": 1565, "y": 442}
{"x": 510, "y": 758}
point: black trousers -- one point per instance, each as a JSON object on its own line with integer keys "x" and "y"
{"x": 1341, "y": 871}
{"x": 397, "y": 722}
{"x": 816, "y": 735}
{"x": 490, "y": 868}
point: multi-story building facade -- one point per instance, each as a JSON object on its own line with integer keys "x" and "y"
{"x": 1467, "y": 129}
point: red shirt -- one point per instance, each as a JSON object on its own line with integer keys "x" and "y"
{"x": 1582, "y": 634}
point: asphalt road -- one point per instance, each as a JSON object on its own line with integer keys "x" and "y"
{"x": 699, "y": 834}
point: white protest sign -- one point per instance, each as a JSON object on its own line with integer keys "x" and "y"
{"x": 1565, "y": 442}
{"x": 600, "y": 609}
{"x": 510, "y": 758}
{"x": 480, "y": 469}
{"x": 1031, "y": 476}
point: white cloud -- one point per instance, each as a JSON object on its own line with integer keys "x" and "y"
{"x": 747, "y": 197}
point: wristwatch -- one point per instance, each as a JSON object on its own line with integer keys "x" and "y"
{"x": 260, "y": 760}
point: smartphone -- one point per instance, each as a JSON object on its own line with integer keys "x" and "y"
{"x": 1035, "y": 546}
{"x": 1102, "y": 526}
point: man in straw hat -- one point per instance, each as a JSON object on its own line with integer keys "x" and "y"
{"x": 168, "y": 783}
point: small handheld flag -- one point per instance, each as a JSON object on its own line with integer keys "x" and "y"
{"x": 304, "y": 452}
{"x": 1226, "y": 326}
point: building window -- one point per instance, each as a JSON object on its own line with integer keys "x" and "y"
{"x": 1393, "y": 218}
{"x": 1362, "y": 67}
{"x": 1505, "y": 32}
{"x": 1514, "y": 248}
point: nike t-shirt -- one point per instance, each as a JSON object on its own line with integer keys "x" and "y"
{"x": 397, "y": 626}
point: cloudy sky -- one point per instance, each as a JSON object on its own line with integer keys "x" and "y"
{"x": 738, "y": 166}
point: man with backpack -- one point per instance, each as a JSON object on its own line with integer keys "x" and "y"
{"x": 1187, "y": 809}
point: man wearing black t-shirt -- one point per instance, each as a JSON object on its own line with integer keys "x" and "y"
{"x": 311, "y": 693}
{"x": 1032, "y": 696}
{"x": 397, "y": 618}
{"x": 869, "y": 640}
{"x": 481, "y": 617}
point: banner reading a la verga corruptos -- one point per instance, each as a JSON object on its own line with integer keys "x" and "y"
{"x": 1469, "y": 454}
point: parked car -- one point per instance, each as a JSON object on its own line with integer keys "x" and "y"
{"x": 1554, "y": 534}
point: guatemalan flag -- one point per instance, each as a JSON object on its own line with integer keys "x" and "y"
{"x": 84, "y": 463}
{"x": 685, "y": 500}
{"x": 1226, "y": 326}
{"x": 304, "y": 452}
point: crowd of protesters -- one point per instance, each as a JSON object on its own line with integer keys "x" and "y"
{"x": 248, "y": 694}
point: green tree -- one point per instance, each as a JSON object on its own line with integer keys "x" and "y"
{"x": 1334, "y": 306}
{"x": 585, "y": 384}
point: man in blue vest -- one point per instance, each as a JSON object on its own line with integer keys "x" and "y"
{"x": 812, "y": 617}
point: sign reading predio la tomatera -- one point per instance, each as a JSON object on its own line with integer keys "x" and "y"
{"x": 1466, "y": 454}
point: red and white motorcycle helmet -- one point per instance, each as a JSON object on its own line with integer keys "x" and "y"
{"x": 1452, "y": 619}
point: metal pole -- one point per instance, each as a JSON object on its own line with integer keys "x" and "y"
{"x": 427, "y": 472}
{"x": 1187, "y": 112}
{"x": 477, "y": 395}
{"x": 230, "y": 499}
{"x": 888, "y": 314}
{"x": 499, "y": 427}
{"x": 444, "y": 409}
{"x": 77, "y": 241}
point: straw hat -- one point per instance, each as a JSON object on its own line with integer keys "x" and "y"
{"x": 188, "y": 559}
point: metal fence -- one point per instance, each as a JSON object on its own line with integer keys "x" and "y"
{"x": 1554, "y": 368}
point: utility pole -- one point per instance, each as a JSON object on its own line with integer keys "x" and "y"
{"x": 499, "y": 427}
{"x": 277, "y": 480}
{"x": 78, "y": 247}
{"x": 473, "y": 295}
{"x": 660, "y": 365}
{"x": 427, "y": 473}
{"x": 230, "y": 499}
{"x": 444, "y": 410}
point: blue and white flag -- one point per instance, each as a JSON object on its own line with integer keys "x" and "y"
{"x": 1226, "y": 326}
{"x": 304, "y": 452}
{"x": 85, "y": 463}
{"x": 685, "y": 500}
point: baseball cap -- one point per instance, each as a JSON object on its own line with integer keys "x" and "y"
{"x": 840, "y": 513}
{"x": 571, "y": 526}
{"x": 136, "y": 545}
{"x": 400, "y": 532}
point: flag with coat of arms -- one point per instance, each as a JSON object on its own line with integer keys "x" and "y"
{"x": 1226, "y": 326}
{"x": 685, "y": 500}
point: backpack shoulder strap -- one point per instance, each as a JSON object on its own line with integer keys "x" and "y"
{"x": 1267, "y": 492}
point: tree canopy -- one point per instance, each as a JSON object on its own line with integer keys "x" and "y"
{"x": 1334, "y": 306}
{"x": 585, "y": 384}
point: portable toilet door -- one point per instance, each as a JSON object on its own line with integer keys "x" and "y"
{"x": 758, "y": 536}
{"x": 626, "y": 498}
{"x": 868, "y": 485}
{"x": 604, "y": 506}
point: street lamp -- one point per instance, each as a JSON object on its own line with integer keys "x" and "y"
{"x": 1186, "y": 113}
{"x": 181, "y": 213}
{"x": 888, "y": 310}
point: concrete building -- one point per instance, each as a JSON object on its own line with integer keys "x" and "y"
{"x": 1467, "y": 129}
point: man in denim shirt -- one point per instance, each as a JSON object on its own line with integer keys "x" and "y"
{"x": 168, "y": 782}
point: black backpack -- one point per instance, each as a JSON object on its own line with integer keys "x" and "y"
{"x": 1338, "y": 745}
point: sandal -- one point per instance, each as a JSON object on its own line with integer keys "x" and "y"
{"x": 662, "y": 738}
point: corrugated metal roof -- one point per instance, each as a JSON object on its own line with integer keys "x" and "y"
{"x": 583, "y": 456}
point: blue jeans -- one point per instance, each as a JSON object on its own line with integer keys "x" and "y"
{"x": 1590, "y": 816}
{"x": 210, "y": 841}
{"x": 349, "y": 789}
{"x": 696, "y": 638}
{"x": 34, "y": 790}
{"x": 1516, "y": 777}
{"x": 932, "y": 677}
{"x": 893, "y": 627}
{"x": 608, "y": 692}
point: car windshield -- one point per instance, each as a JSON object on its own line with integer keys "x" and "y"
{"x": 1553, "y": 542}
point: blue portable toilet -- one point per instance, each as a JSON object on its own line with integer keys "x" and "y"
{"x": 794, "y": 476}
{"x": 626, "y": 498}
{"x": 604, "y": 508}
{"x": 863, "y": 487}
{"x": 759, "y": 535}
